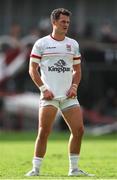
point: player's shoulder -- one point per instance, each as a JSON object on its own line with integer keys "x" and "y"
{"x": 42, "y": 40}
{"x": 73, "y": 41}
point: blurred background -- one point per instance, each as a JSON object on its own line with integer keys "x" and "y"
{"x": 94, "y": 26}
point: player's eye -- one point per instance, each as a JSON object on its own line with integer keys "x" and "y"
{"x": 65, "y": 22}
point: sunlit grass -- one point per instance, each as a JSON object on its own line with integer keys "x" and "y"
{"x": 98, "y": 156}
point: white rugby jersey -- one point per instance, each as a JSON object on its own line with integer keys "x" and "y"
{"x": 56, "y": 60}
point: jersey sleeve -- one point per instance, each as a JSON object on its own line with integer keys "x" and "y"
{"x": 77, "y": 55}
{"x": 36, "y": 52}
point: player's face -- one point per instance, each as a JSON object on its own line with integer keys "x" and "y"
{"x": 61, "y": 25}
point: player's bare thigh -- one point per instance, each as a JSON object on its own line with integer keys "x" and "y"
{"x": 47, "y": 116}
{"x": 73, "y": 117}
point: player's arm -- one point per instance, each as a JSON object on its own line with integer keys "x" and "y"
{"x": 35, "y": 76}
{"x": 76, "y": 71}
{"x": 76, "y": 81}
{"x": 76, "y": 74}
{"x": 35, "y": 60}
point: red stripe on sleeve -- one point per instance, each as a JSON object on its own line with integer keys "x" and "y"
{"x": 77, "y": 58}
{"x": 35, "y": 56}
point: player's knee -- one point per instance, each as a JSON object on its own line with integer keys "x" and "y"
{"x": 43, "y": 133}
{"x": 81, "y": 130}
{"x": 78, "y": 132}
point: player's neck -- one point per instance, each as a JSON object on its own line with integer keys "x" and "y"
{"x": 58, "y": 37}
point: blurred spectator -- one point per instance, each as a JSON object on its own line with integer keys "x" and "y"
{"x": 30, "y": 39}
{"x": 15, "y": 31}
{"x": 44, "y": 26}
{"x": 13, "y": 56}
{"x": 12, "y": 39}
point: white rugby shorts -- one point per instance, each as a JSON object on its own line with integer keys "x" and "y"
{"x": 61, "y": 104}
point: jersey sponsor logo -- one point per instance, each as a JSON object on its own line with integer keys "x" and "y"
{"x": 50, "y": 47}
{"x": 59, "y": 66}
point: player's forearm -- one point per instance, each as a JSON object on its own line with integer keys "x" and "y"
{"x": 76, "y": 78}
{"x": 35, "y": 76}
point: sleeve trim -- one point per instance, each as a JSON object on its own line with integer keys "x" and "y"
{"x": 35, "y": 56}
{"x": 34, "y": 60}
{"x": 77, "y": 58}
{"x": 77, "y": 62}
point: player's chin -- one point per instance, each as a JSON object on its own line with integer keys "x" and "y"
{"x": 66, "y": 31}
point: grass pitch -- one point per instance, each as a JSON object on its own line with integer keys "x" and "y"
{"x": 98, "y": 156}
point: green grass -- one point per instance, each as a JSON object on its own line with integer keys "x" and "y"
{"x": 98, "y": 156}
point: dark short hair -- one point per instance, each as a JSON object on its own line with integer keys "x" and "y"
{"x": 55, "y": 15}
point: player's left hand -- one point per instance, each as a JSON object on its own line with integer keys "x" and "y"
{"x": 72, "y": 92}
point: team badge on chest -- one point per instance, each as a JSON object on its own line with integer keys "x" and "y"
{"x": 68, "y": 47}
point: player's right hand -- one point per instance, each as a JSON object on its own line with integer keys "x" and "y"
{"x": 48, "y": 95}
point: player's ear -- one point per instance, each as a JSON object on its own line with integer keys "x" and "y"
{"x": 54, "y": 22}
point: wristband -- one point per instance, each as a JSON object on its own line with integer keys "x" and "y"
{"x": 75, "y": 86}
{"x": 42, "y": 88}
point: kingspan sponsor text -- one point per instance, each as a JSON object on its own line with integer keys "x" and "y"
{"x": 58, "y": 69}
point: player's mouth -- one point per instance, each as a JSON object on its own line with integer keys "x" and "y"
{"x": 65, "y": 28}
